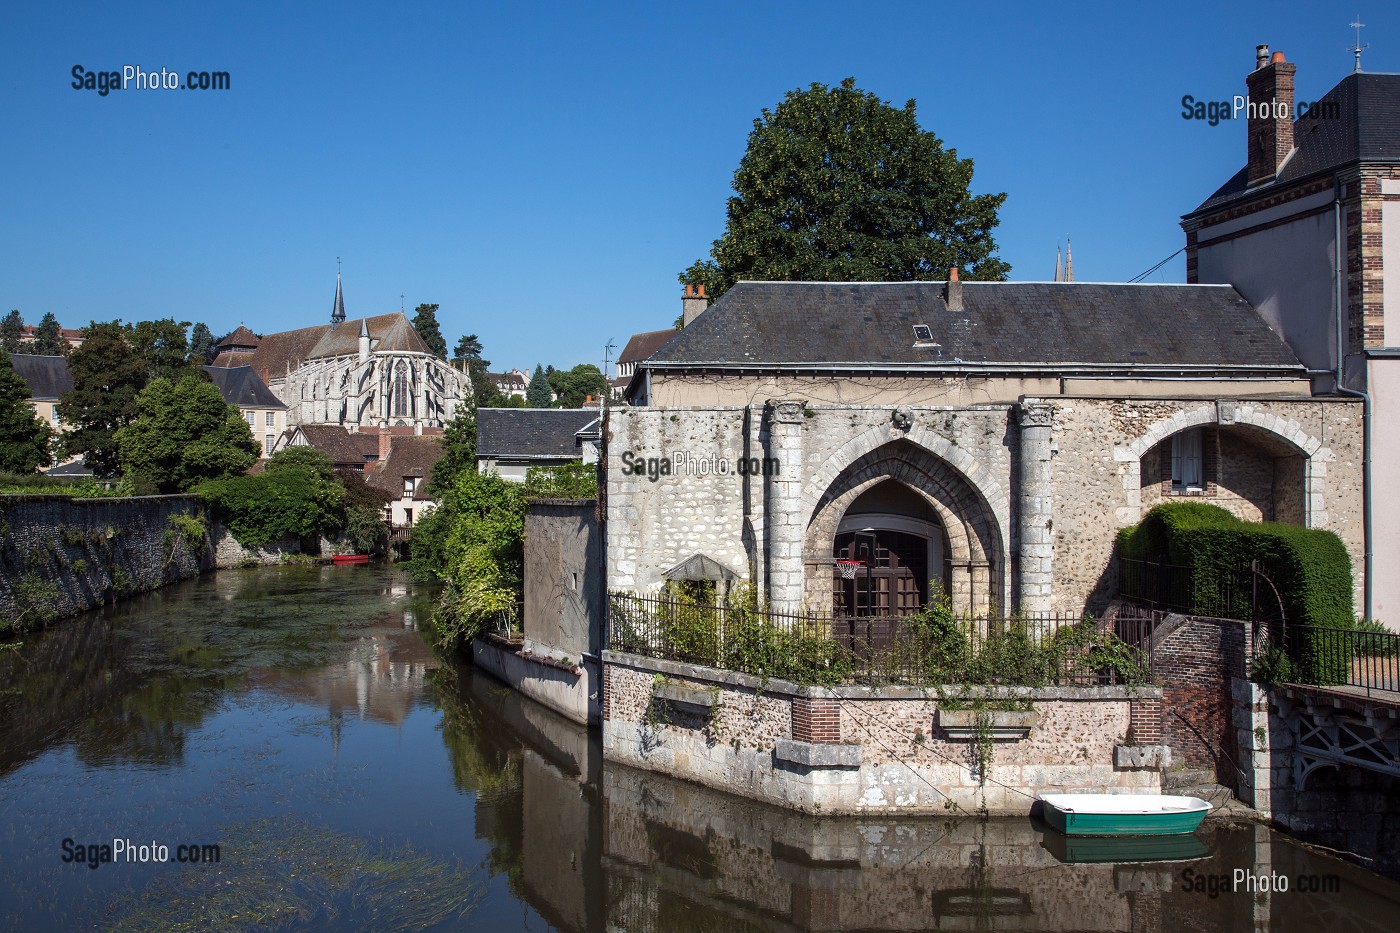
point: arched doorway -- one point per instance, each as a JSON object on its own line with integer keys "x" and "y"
{"x": 904, "y": 488}
{"x": 898, "y": 542}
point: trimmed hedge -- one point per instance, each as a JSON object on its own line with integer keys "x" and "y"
{"x": 1310, "y": 567}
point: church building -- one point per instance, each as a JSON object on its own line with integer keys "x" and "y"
{"x": 366, "y": 374}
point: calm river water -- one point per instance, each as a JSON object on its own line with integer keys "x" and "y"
{"x": 351, "y": 779}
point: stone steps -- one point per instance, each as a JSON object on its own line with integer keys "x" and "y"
{"x": 1187, "y": 778}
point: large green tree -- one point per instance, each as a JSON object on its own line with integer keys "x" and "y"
{"x": 184, "y": 433}
{"x": 467, "y": 357}
{"x": 11, "y": 330}
{"x": 162, "y": 346}
{"x": 106, "y": 375}
{"x": 838, "y": 185}
{"x": 48, "y": 338}
{"x": 426, "y": 323}
{"x": 576, "y": 385}
{"x": 538, "y": 393}
{"x": 202, "y": 345}
{"x": 24, "y": 436}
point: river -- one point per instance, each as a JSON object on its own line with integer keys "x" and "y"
{"x": 296, "y": 719}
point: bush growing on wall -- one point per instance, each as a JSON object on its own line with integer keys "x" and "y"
{"x": 297, "y": 496}
{"x": 1309, "y": 566}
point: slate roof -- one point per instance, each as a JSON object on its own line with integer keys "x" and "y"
{"x": 276, "y": 353}
{"x": 386, "y": 331}
{"x": 641, "y": 346}
{"x": 241, "y": 386}
{"x": 1366, "y": 130}
{"x": 342, "y": 446}
{"x": 241, "y": 337}
{"x": 512, "y": 380}
{"x": 408, "y": 456}
{"x": 1035, "y": 325}
{"x": 516, "y": 433}
{"x": 46, "y": 376}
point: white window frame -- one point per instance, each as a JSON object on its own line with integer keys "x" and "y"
{"x": 1188, "y": 461}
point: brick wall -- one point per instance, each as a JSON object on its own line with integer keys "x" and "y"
{"x": 815, "y": 720}
{"x": 1194, "y": 660}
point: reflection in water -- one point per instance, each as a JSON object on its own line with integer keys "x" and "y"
{"x": 355, "y": 780}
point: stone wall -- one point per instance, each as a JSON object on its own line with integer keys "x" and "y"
{"x": 862, "y": 749}
{"x": 1030, "y": 497}
{"x": 60, "y": 556}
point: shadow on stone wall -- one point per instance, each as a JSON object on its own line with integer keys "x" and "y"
{"x": 60, "y": 556}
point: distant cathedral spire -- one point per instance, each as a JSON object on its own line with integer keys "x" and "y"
{"x": 1059, "y": 267}
{"x": 338, "y": 309}
{"x": 1069, "y": 261}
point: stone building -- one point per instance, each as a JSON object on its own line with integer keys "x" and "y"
{"x": 1308, "y": 231}
{"x": 264, "y": 412}
{"x": 511, "y": 440}
{"x": 989, "y": 437}
{"x": 375, "y": 372}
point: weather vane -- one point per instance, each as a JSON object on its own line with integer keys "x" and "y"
{"x": 1358, "y": 48}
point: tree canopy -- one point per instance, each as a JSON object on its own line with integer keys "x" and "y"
{"x": 106, "y": 375}
{"x": 11, "y": 330}
{"x": 426, "y": 323}
{"x": 202, "y": 345}
{"x": 48, "y": 338}
{"x": 468, "y": 357}
{"x": 162, "y": 346}
{"x": 575, "y": 386}
{"x": 538, "y": 393}
{"x": 24, "y": 436}
{"x": 838, "y": 185}
{"x": 184, "y": 433}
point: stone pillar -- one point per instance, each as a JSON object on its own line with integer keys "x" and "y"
{"x": 1034, "y": 506}
{"x": 783, "y": 531}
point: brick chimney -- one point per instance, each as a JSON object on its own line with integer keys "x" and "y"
{"x": 693, "y": 304}
{"x": 952, "y": 292}
{"x": 1270, "y": 112}
{"x": 386, "y": 440}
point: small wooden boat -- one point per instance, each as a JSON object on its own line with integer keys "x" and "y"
{"x": 1123, "y": 814}
{"x": 350, "y": 559}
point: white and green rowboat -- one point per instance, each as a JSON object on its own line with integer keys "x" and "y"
{"x": 1123, "y": 814}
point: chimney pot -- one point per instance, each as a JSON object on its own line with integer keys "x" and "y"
{"x": 693, "y": 304}
{"x": 953, "y": 291}
{"x": 1261, "y": 56}
{"x": 1270, "y": 116}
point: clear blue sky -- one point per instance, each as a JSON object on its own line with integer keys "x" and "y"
{"x": 543, "y": 171}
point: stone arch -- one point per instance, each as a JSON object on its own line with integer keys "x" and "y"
{"x": 973, "y": 531}
{"x": 934, "y": 445}
{"x": 1316, "y": 455}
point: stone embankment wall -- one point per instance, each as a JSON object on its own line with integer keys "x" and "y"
{"x": 860, "y": 749}
{"x": 60, "y": 556}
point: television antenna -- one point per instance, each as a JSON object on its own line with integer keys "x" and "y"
{"x": 1358, "y": 48}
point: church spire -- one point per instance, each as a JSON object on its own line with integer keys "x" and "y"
{"x": 338, "y": 309}
{"x": 1059, "y": 268}
{"x": 1069, "y": 261}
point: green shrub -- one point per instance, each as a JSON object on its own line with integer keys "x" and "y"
{"x": 1376, "y": 640}
{"x": 285, "y": 503}
{"x": 1310, "y": 567}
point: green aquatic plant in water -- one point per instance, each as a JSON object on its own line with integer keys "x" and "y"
{"x": 277, "y": 874}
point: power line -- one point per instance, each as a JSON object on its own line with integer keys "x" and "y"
{"x": 1139, "y": 278}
